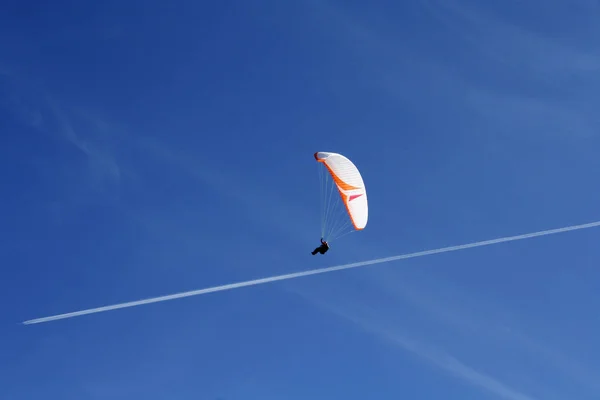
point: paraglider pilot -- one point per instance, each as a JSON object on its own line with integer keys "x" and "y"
{"x": 321, "y": 249}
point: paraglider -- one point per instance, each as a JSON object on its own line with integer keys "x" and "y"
{"x": 345, "y": 209}
{"x": 321, "y": 249}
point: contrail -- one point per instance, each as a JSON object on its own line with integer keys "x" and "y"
{"x": 311, "y": 272}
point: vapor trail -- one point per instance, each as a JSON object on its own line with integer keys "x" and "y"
{"x": 311, "y": 272}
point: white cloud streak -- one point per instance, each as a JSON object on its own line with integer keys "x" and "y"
{"x": 312, "y": 272}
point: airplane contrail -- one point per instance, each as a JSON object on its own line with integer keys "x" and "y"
{"x": 311, "y": 272}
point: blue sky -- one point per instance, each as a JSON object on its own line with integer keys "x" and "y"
{"x": 151, "y": 148}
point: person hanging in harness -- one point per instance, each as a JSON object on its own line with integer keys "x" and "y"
{"x": 322, "y": 248}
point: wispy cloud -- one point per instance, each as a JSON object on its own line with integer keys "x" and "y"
{"x": 381, "y": 325}
{"x": 99, "y": 175}
{"x": 41, "y": 111}
{"x": 455, "y": 366}
{"x": 556, "y": 118}
{"x": 554, "y": 78}
{"x": 263, "y": 204}
{"x": 486, "y": 321}
{"x": 102, "y": 162}
{"x": 518, "y": 80}
{"x": 521, "y": 47}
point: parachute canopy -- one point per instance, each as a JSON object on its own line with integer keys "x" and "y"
{"x": 347, "y": 210}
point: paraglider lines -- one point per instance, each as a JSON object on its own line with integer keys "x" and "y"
{"x": 311, "y": 272}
